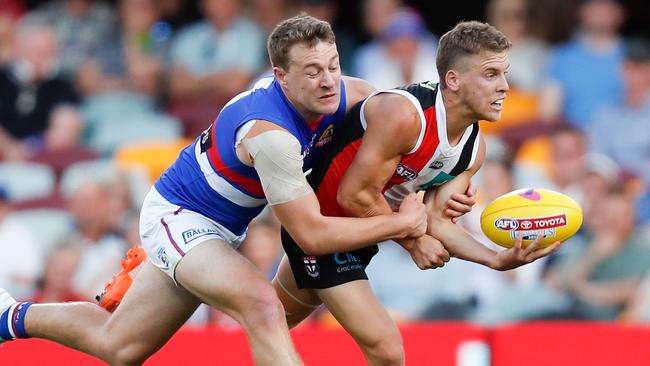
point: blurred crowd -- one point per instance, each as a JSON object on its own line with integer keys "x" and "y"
{"x": 97, "y": 98}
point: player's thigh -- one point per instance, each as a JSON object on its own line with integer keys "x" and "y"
{"x": 151, "y": 312}
{"x": 221, "y": 277}
{"x": 298, "y": 303}
{"x": 359, "y": 311}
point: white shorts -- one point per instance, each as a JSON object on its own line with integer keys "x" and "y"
{"x": 168, "y": 232}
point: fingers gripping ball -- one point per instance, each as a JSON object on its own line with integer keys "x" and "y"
{"x": 531, "y": 212}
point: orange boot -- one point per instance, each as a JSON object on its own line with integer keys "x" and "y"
{"x": 116, "y": 288}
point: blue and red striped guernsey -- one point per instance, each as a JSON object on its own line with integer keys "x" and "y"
{"x": 208, "y": 177}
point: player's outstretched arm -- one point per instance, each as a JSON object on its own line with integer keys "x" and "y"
{"x": 276, "y": 156}
{"x": 460, "y": 243}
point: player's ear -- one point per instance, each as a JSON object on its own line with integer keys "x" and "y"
{"x": 280, "y": 74}
{"x": 452, "y": 80}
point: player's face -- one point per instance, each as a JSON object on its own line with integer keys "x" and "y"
{"x": 483, "y": 84}
{"x": 312, "y": 82}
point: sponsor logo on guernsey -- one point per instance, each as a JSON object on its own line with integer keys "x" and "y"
{"x": 532, "y": 227}
{"x": 311, "y": 267}
{"x": 347, "y": 262}
{"x": 326, "y": 136}
{"x": 436, "y": 164}
{"x": 406, "y": 172}
{"x": 192, "y": 234}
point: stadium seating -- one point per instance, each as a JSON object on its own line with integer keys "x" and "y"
{"x": 27, "y": 180}
{"x": 154, "y": 156}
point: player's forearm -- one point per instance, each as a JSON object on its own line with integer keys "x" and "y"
{"x": 459, "y": 243}
{"x": 340, "y": 234}
{"x": 367, "y": 205}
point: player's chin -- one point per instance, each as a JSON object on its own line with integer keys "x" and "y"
{"x": 328, "y": 105}
{"x": 492, "y": 116}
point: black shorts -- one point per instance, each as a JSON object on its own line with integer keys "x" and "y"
{"x": 324, "y": 271}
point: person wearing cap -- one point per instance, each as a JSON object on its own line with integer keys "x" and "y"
{"x": 404, "y": 52}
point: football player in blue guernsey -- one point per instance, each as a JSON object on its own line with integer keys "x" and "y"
{"x": 422, "y": 137}
{"x": 196, "y": 215}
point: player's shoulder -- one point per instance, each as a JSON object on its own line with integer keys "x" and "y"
{"x": 356, "y": 89}
{"x": 394, "y": 106}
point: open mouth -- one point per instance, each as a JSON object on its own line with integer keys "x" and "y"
{"x": 498, "y": 104}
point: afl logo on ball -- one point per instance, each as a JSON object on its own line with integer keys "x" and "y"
{"x": 506, "y": 224}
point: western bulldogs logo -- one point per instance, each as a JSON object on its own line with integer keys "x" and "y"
{"x": 406, "y": 172}
{"x": 326, "y": 136}
{"x": 162, "y": 255}
{"x": 311, "y": 267}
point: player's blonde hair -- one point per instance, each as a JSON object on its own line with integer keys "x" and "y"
{"x": 467, "y": 38}
{"x": 299, "y": 29}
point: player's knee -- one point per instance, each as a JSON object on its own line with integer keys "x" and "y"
{"x": 128, "y": 356}
{"x": 387, "y": 351}
{"x": 263, "y": 308}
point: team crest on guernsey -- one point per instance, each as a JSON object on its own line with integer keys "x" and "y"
{"x": 311, "y": 267}
{"x": 406, "y": 172}
{"x": 437, "y": 164}
{"x": 326, "y": 136}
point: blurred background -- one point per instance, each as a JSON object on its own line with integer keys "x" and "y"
{"x": 98, "y": 97}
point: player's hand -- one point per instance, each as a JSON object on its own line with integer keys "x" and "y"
{"x": 461, "y": 203}
{"x": 427, "y": 252}
{"x": 518, "y": 256}
{"x": 413, "y": 214}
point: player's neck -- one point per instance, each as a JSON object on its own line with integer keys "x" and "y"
{"x": 459, "y": 117}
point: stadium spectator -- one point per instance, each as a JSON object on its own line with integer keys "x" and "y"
{"x": 528, "y": 53}
{"x": 328, "y": 10}
{"x": 268, "y": 13}
{"x": 61, "y": 144}
{"x": 21, "y": 261}
{"x": 630, "y": 145}
{"x": 10, "y": 13}
{"x": 55, "y": 283}
{"x": 376, "y": 15}
{"x": 133, "y": 53}
{"x": 81, "y": 26}
{"x": 211, "y": 61}
{"x": 31, "y": 89}
{"x": 101, "y": 248}
{"x": 603, "y": 274}
{"x": 404, "y": 52}
{"x": 571, "y": 91}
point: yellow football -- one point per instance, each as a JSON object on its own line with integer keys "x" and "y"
{"x": 531, "y": 212}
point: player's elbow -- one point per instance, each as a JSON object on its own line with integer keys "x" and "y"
{"x": 354, "y": 203}
{"x": 437, "y": 224}
{"x": 311, "y": 245}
